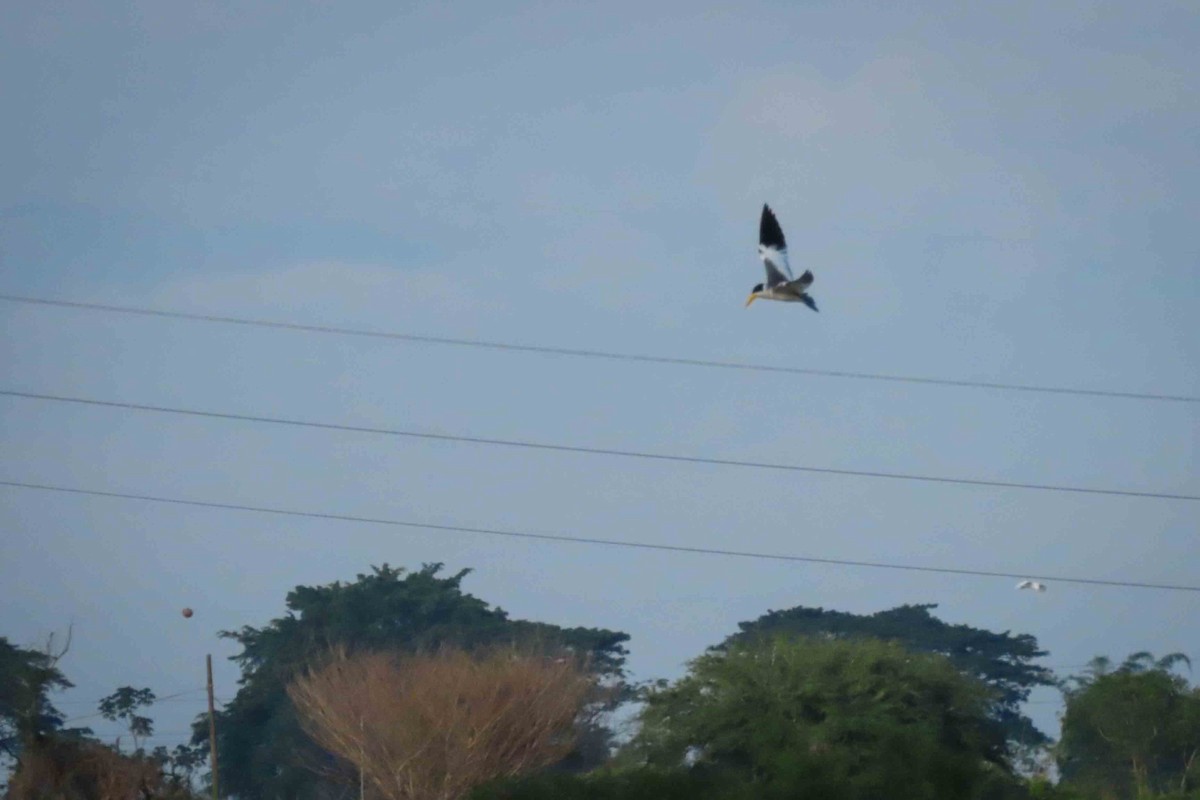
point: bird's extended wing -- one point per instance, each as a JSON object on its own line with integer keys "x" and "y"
{"x": 777, "y": 269}
{"x": 772, "y": 248}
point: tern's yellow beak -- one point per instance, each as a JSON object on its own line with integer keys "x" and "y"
{"x": 751, "y": 299}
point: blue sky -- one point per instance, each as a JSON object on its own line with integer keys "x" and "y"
{"x": 1004, "y": 193}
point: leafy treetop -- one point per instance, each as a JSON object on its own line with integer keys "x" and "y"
{"x": 1131, "y": 731}
{"x": 26, "y": 679}
{"x": 1001, "y": 660}
{"x": 823, "y": 717}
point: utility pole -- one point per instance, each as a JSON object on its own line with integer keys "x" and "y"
{"x": 212, "y": 729}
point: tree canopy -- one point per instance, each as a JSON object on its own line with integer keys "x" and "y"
{"x": 835, "y": 718}
{"x": 1133, "y": 730}
{"x": 123, "y": 705}
{"x": 262, "y": 749}
{"x": 1001, "y": 660}
{"x": 27, "y": 677}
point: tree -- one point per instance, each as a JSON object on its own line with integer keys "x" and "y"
{"x": 1133, "y": 730}
{"x": 642, "y": 783}
{"x": 178, "y": 766}
{"x": 262, "y": 748}
{"x": 27, "y": 677}
{"x": 433, "y": 726}
{"x": 66, "y": 768}
{"x": 801, "y": 716}
{"x": 1000, "y": 660}
{"x": 53, "y": 762}
{"x": 123, "y": 704}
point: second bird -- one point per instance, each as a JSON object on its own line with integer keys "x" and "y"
{"x": 780, "y": 285}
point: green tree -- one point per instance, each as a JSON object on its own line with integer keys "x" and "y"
{"x": 1133, "y": 730}
{"x": 1001, "y": 660}
{"x": 178, "y": 766}
{"x": 643, "y": 783}
{"x": 27, "y": 677}
{"x": 262, "y": 749}
{"x": 123, "y": 704}
{"x": 833, "y": 718}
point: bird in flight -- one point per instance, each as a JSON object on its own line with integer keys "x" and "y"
{"x": 780, "y": 285}
{"x": 1034, "y": 585}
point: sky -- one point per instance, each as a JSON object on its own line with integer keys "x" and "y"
{"x": 1003, "y": 193}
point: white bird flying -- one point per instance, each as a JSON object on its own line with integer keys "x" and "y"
{"x": 780, "y": 285}
{"x": 1034, "y": 585}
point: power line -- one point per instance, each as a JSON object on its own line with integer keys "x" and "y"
{"x": 155, "y": 735}
{"x": 602, "y": 354}
{"x": 169, "y": 699}
{"x": 156, "y": 700}
{"x": 585, "y": 450}
{"x": 591, "y": 540}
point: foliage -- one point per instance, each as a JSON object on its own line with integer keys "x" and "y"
{"x": 835, "y": 718}
{"x": 262, "y": 749}
{"x": 434, "y": 726}
{"x": 62, "y": 767}
{"x": 644, "y": 783}
{"x": 681, "y": 783}
{"x": 26, "y": 679}
{"x": 1131, "y": 731}
{"x": 180, "y": 765}
{"x": 1000, "y": 660}
{"x": 123, "y": 704}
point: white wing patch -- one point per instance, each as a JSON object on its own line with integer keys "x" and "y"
{"x": 776, "y": 263}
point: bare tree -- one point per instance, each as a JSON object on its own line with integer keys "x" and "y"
{"x": 432, "y": 727}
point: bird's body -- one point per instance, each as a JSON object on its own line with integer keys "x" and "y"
{"x": 1033, "y": 585}
{"x": 780, "y": 285}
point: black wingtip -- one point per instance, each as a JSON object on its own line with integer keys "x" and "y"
{"x": 769, "y": 232}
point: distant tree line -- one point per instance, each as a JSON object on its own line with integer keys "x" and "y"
{"x": 401, "y": 686}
